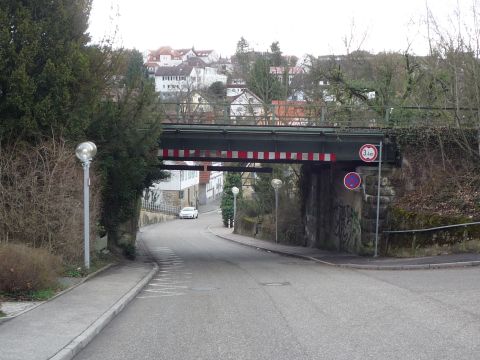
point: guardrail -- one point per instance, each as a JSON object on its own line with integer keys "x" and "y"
{"x": 431, "y": 229}
{"x": 297, "y": 113}
{"x": 161, "y": 208}
{"x": 416, "y": 231}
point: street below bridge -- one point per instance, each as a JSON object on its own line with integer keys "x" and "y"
{"x": 214, "y": 299}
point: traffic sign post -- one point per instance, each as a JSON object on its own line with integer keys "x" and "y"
{"x": 369, "y": 153}
{"x": 378, "y": 199}
{"x": 352, "y": 180}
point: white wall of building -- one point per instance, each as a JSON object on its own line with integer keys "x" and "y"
{"x": 215, "y": 185}
{"x": 246, "y": 104}
{"x": 179, "y": 179}
{"x": 198, "y": 78}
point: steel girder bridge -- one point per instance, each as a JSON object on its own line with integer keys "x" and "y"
{"x": 266, "y": 144}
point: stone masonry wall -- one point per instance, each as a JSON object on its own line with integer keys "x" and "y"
{"x": 369, "y": 205}
{"x": 340, "y": 219}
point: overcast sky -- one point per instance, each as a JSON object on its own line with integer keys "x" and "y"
{"x": 314, "y": 27}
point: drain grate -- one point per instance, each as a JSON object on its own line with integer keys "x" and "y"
{"x": 285, "y": 283}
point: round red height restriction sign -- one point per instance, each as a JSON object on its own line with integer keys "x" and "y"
{"x": 368, "y": 153}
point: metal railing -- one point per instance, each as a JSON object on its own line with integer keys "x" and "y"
{"x": 431, "y": 229}
{"x": 161, "y": 208}
{"x": 315, "y": 115}
{"x": 416, "y": 231}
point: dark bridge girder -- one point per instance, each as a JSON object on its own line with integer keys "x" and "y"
{"x": 343, "y": 143}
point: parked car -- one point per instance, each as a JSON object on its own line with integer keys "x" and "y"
{"x": 188, "y": 213}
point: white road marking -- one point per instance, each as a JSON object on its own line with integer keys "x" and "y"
{"x": 171, "y": 280}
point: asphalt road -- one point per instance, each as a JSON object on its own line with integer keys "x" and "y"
{"x": 214, "y": 299}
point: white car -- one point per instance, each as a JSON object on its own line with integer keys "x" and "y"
{"x": 188, "y": 213}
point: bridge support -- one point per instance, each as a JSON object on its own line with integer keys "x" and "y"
{"x": 339, "y": 219}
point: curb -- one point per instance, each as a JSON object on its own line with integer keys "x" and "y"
{"x": 461, "y": 264}
{"x": 88, "y": 277}
{"x": 82, "y": 340}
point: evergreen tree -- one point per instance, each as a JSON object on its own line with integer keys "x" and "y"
{"x": 265, "y": 85}
{"x": 126, "y": 129}
{"x": 231, "y": 180}
{"x": 47, "y": 86}
{"x": 276, "y": 56}
{"x": 242, "y": 56}
{"x": 53, "y": 84}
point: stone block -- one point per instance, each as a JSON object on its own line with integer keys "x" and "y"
{"x": 369, "y": 211}
{"x": 369, "y": 225}
{"x": 370, "y": 199}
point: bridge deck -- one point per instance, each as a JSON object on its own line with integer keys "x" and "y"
{"x": 268, "y": 143}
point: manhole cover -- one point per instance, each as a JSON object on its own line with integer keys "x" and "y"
{"x": 275, "y": 283}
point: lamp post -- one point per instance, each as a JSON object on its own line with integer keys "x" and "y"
{"x": 235, "y": 191}
{"x": 276, "y": 184}
{"x": 85, "y": 152}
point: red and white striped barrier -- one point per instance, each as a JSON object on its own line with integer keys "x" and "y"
{"x": 245, "y": 155}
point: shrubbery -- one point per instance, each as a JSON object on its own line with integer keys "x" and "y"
{"x": 41, "y": 198}
{"x": 24, "y": 269}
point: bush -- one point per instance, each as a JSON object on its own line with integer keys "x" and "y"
{"x": 41, "y": 198}
{"x": 129, "y": 251}
{"x": 24, "y": 269}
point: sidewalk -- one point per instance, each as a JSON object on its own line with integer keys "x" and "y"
{"x": 58, "y": 329}
{"x": 213, "y": 205}
{"x": 349, "y": 260}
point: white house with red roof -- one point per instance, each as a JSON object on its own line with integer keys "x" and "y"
{"x": 165, "y": 56}
{"x": 209, "y": 56}
{"x": 183, "y": 70}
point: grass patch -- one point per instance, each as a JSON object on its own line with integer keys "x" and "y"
{"x": 37, "y": 295}
{"x": 74, "y": 271}
{"x": 42, "y": 295}
{"x": 98, "y": 262}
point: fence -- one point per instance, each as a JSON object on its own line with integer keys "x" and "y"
{"x": 161, "y": 208}
{"x": 297, "y": 113}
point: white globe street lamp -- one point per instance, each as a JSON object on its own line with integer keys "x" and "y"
{"x": 85, "y": 152}
{"x": 235, "y": 192}
{"x": 276, "y": 184}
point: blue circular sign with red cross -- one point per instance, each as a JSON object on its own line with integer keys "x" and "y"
{"x": 352, "y": 180}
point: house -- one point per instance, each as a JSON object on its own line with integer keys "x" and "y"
{"x": 181, "y": 78}
{"x": 185, "y": 187}
{"x": 247, "y": 108}
{"x": 292, "y": 113}
{"x": 281, "y": 72}
{"x": 165, "y": 56}
{"x": 180, "y": 190}
{"x": 209, "y": 56}
{"x": 210, "y": 184}
{"x": 185, "y": 54}
{"x": 236, "y": 88}
{"x": 199, "y": 107}
{"x": 224, "y": 65}
{"x": 189, "y": 75}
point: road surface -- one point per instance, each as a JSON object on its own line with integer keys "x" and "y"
{"x": 214, "y": 299}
